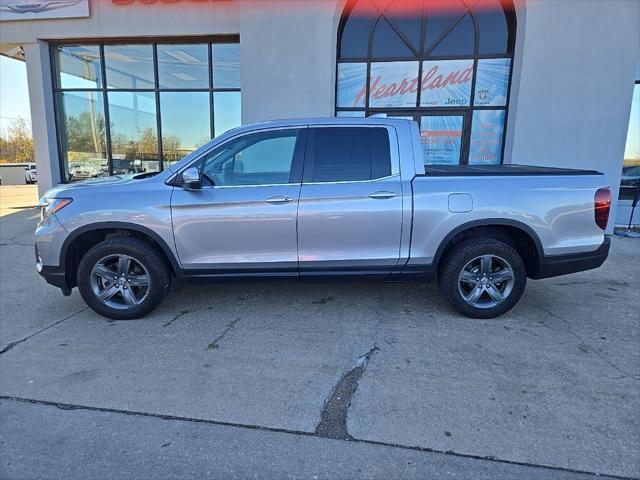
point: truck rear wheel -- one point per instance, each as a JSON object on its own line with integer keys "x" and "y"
{"x": 123, "y": 278}
{"x": 482, "y": 277}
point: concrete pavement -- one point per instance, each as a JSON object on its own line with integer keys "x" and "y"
{"x": 82, "y": 444}
{"x": 14, "y": 198}
{"x": 555, "y": 383}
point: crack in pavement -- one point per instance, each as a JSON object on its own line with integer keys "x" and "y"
{"x": 17, "y": 342}
{"x": 333, "y": 419}
{"x": 586, "y": 282}
{"x": 176, "y": 418}
{"x": 18, "y": 244}
{"x": 176, "y": 317}
{"x": 230, "y": 325}
{"x": 586, "y": 348}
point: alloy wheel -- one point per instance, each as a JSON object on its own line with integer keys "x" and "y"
{"x": 120, "y": 281}
{"x": 486, "y": 281}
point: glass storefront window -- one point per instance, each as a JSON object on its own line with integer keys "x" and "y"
{"x": 631, "y": 166}
{"x": 446, "y": 83}
{"x": 181, "y": 134}
{"x": 129, "y": 66}
{"x": 350, "y": 113}
{"x": 84, "y": 145}
{"x": 441, "y": 138}
{"x": 134, "y": 136}
{"x": 393, "y": 84}
{"x": 155, "y": 104}
{"x": 485, "y": 146}
{"x": 226, "y": 111}
{"x": 78, "y": 66}
{"x": 352, "y": 80}
{"x": 492, "y": 82}
{"x": 226, "y": 65}
{"x": 440, "y": 61}
{"x": 183, "y": 66}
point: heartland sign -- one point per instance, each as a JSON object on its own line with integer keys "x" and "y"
{"x": 444, "y": 83}
{"x": 396, "y": 84}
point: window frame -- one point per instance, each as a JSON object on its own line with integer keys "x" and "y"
{"x": 156, "y": 90}
{"x": 423, "y": 55}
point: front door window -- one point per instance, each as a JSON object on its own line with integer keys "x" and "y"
{"x": 257, "y": 159}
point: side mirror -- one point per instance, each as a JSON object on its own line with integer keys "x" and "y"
{"x": 191, "y": 179}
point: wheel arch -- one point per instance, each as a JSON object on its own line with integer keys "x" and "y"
{"x": 517, "y": 234}
{"x": 83, "y": 238}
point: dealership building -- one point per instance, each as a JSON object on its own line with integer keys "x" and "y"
{"x": 121, "y": 86}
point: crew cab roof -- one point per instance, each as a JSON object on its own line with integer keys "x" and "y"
{"x": 297, "y": 122}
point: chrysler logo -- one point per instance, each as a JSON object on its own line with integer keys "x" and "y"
{"x": 35, "y": 7}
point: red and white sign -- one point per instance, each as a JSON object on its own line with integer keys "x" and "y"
{"x": 395, "y": 84}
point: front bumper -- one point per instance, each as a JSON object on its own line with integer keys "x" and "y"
{"x": 55, "y": 276}
{"x": 556, "y": 265}
{"x": 50, "y": 236}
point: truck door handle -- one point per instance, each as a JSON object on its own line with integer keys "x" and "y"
{"x": 278, "y": 199}
{"x": 382, "y": 195}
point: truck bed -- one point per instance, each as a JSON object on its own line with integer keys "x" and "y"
{"x": 501, "y": 170}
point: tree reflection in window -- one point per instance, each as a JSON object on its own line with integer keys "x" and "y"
{"x": 140, "y": 106}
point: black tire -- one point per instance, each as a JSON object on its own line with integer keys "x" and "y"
{"x": 505, "y": 261}
{"x": 143, "y": 255}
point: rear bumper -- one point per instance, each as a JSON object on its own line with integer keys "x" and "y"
{"x": 556, "y": 265}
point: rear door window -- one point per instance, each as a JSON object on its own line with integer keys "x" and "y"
{"x": 343, "y": 154}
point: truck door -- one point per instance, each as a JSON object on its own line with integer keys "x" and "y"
{"x": 350, "y": 210}
{"x": 243, "y": 219}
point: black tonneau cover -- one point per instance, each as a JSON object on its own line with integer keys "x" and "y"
{"x": 511, "y": 169}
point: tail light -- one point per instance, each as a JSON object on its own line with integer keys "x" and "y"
{"x": 602, "y": 204}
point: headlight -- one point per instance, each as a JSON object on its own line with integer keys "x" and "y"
{"x": 49, "y": 206}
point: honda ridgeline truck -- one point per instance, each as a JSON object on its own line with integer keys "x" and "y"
{"x": 317, "y": 200}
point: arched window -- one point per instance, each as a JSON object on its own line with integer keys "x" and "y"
{"x": 445, "y": 63}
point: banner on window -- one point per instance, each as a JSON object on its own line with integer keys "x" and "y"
{"x": 393, "y": 84}
{"x": 446, "y": 83}
{"x": 492, "y": 82}
{"x": 441, "y": 137}
{"x": 486, "y": 137}
{"x": 352, "y": 78}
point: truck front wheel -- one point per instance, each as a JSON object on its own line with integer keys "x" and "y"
{"x": 482, "y": 277}
{"x": 123, "y": 278}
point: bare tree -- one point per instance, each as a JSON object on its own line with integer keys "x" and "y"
{"x": 16, "y": 142}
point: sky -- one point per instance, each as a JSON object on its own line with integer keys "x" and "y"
{"x": 14, "y": 97}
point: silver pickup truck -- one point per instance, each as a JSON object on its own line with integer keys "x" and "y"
{"x": 324, "y": 199}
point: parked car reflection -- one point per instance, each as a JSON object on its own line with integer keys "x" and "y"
{"x": 629, "y": 181}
